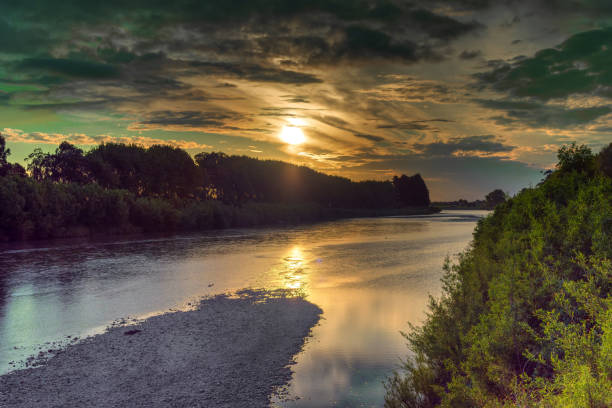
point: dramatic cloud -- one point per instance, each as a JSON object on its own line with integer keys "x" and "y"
{"x": 468, "y": 55}
{"x": 581, "y": 64}
{"x": 70, "y": 68}
{"x": 400, "y": 88}
{"x": 486, "y": 145}
{"x": 17, "y": 135}
{"x": 538, "y": 115}
{"x": 378, "y": 87}
{"x": 190, "y": 119}
{"x": 414, "y": 125}
{"x": 370, "y": 137}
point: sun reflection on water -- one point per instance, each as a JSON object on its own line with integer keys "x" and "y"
{"x": 294, "y": 270}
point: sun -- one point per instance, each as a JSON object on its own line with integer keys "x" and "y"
{"x": 292, "y": 135}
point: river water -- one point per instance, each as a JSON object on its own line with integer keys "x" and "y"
{"x": 371, "y": 276}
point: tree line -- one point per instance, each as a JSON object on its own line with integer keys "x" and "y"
{"x": 491, "y": 200}
{"x": 170, "y": 172}
{"x": 163, "y": 188}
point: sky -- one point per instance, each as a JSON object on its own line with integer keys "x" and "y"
{"x": 472, "y": 94}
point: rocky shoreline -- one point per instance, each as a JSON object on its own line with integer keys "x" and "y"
{"x": 231, "y": 351}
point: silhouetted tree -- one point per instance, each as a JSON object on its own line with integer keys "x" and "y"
{"x": 115, "y": 165}
{"x": 494, "y": 198}
{"x": 604, "y": 160}
{"x": 411, "y": 191}
{"x": 119, "y": 187}
{"x": 238, "y": 179}
{"x": 212, "y": 167}
{"x": 7, "y": 168}
{"x": 66, "y": 165}
{"x": 170, "y": 172}
{"x": 4, "y": 152}
{"x": 576, "y": 158}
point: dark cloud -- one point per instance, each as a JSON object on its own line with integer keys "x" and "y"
{"x": 465, "y": 4}
{"x": 296, "y": 99}
{"x": 521, "y": 113}
{"x": 362, "y": 42}
{"x": 282, "y": 112}
{"x": 384, "y": 28}
{"x": 18, "y": 40}
{"x": 581, "y": 64}
{"x": 467, "y": 55}
{"x": 482, "y": 145}
{"x": 332, "y": 121}
{"x": 371, "y": 138}
{"x": 255, "y": 72}
{"x": 190, "y": 119}
{"x": 147, "y": 48}
{"x": 117, "y": 55}
{"x": 341, "y": 124}
{"x": 211, "y": 11}
{"x": 357, "y": 42}
{"x": 145, "y": 16}
{"x": 414, "y": 124}
{"x": 69, "y": 67}
{"x": 509, "y": 23}
{"x": 589, "y": 7}
{"x": 442, "y": 27}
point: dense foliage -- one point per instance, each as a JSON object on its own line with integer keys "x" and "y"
{"x": 237, "y": 179}
{"x": 411, "y": 190}
{"x": 525, "y": 317}
{"x": 169, "y": 172}
{"x": 494, "y": 198}
{"x": 120, "y": 188}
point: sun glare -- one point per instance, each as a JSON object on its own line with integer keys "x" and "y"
{"x": 292, "y": 135}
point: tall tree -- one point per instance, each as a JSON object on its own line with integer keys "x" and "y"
{"x": 411, "y": 191}
{"x": 576, "y": 158}
{"x": 116, "y": 165}
{"x": 604, "y": 160}
{"x": 4, "y": 152}
{"x": 66, "y": 165}
{"x": 494, "y": 198}
{"x": 170, "y": 172}
{"x": 6, "y": 168}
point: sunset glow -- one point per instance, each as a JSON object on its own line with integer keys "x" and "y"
{"x": 470, "y": 88}
{"x": 344, "y": 203}
{"x": 292, "y": 135}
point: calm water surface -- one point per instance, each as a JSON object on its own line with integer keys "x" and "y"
{"x": 370, "y": 276}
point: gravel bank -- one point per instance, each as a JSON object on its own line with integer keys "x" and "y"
{"x": 229, "y": 352}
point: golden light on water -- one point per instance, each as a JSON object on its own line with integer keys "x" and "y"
{"x": 292, "y": 135}
{"x": 294, "y": 265}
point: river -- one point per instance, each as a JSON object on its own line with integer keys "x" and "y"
{"x": 371, "y": 276}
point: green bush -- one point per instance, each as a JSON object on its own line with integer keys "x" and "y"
{"x": 524, "y": 319}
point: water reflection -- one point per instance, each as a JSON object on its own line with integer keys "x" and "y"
{"x": 370, "y": 277}
{"x": 294, "y": 270}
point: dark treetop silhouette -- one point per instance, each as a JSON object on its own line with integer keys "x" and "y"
{"x": 120, "y": 188}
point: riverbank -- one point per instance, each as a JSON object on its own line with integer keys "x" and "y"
{"x": 525, "y": 316}
{"x": 229, "y": 352}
